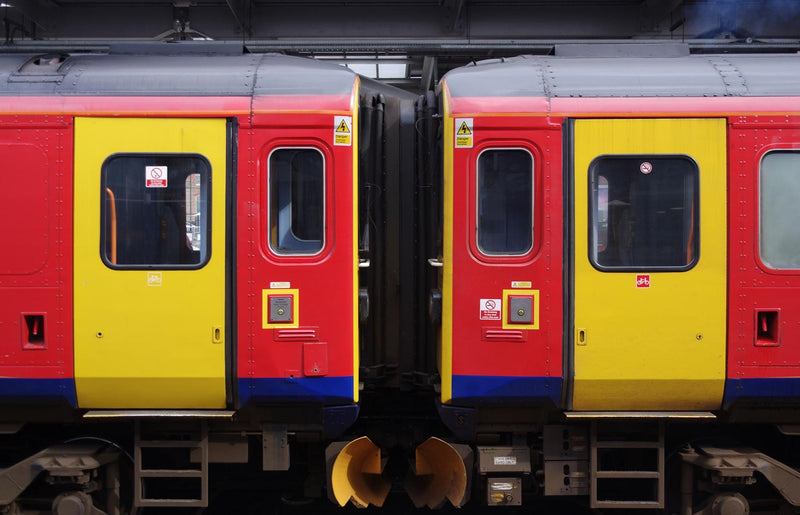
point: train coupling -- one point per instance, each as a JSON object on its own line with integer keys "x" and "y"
{"x": 441, "y": 472}
{"x": 355, "y": 473}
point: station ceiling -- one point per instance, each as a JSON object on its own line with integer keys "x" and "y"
{"x": 410, "y": 43}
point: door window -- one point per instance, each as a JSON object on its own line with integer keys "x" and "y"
{"x": 505, "y": 202}
{"x": 296, "y": 201}
{"x": 155, "y": 211}
{"x": 644, "y": 213}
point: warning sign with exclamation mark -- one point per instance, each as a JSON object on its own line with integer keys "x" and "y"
{"x": 464, "y": 132}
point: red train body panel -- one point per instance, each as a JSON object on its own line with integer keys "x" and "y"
{"x": 36, "y": 269}
{"x": 495, "y": 359}
{"x": 763, "y": 363}
{"x": 311, "y": 354}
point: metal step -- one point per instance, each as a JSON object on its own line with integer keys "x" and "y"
{"x": 172, "y": 478}
{"x": 636, "y": 459}
{"x": 639, "y": 415}
{"x": 108, "y": 413}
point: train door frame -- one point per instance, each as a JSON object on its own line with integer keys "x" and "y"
{"x": 299, "y": 355}
{"x": 114, "y": 368}
{"x": 487, "y": 354}
{"x": 702, "y": 386}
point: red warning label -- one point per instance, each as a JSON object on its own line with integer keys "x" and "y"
{"x": 155, "y": 176}
{"x": 491, "y": 308}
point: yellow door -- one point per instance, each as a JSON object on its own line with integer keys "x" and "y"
{"x": 650, "y": 254}
{"x": 150, "y": 263}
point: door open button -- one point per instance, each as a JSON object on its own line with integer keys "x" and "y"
{"x": 280, "y": 309}
{"x": 520, "y": 309}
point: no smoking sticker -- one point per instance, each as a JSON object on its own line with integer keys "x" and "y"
{"x": 155, "y": 176}
{"x": 491, "y": 309}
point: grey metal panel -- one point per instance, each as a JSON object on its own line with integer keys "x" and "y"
{"x": 284, "y": 75}
{"x": 521, "y": 76}
{"x": 652, "y": 49}
{"x": 770, "y": 75}
{"x": 159, "y": 75}
{"x": 176, "y": 75}
{"x": 692, "y": 76}
{"x": 519, "y": 310}
{"x": 634, "y": 77}
{"x": 9, "y": 63}
{"x": 11, "y": 80}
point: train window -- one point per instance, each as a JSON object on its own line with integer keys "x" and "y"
{"x": 155, "y": 211}
{"x": 505, "y": 202}
{"x": 644, "y": 213}
{"x": 779, "y": 216}
{"x": 296, "y": 201}
{"x": 601, "y": 225}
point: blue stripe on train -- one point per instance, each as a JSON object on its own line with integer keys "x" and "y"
{"x": 326, "y": 390}
{"x": 38, "y": 390}
{"x": 487, "y": 389}
{"x": 778, "y": 389}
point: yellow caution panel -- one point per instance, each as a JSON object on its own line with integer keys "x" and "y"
{"x": 650, "y": 256}
{"x": 150, "y": 263}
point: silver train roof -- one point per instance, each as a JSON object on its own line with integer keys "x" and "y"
{"x": 168, "y": 75}
{"x": 683, "y": 76}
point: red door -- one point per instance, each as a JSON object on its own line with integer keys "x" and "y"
{"x": 501, "y": 288}
{"x": 298, "y": 261}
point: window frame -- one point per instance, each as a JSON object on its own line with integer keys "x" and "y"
{"x": 268, "y": 204}
{"x": 592, "y": 210}
{"x": 758, "y": 227}
{"x": 206, "y": 220}
{"x": 503, "y": 256}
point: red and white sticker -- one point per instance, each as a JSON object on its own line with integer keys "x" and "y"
{"x": 491, "y": 308}
{"x": 642, "y": 280}
{"x": 155, "y": 176}
{"x": 646, "y": 167}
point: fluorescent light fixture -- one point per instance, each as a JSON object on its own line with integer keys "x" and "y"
{"x": 365, "y": 69}
{"x": 392, "y": 71}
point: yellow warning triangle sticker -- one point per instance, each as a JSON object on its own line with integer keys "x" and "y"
{"x": 464, "y": 130}
{"x": 343, "y": 127}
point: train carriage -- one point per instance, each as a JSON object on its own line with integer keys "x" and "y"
{"x": 182, "y": 237}
{"x": 618, "y": 244}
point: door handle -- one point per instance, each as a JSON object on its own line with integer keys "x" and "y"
{"x": 216, "y": 334}
{"x": 580, "y": 336}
